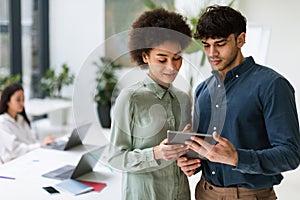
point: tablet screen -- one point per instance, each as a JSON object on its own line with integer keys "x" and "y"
{"x": 179, "y": 137}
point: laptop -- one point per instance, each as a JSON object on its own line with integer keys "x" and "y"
{"x": 75, "y": 139}
{"x": 85, "y": 165}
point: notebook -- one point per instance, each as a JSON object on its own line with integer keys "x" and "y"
{"x": 75, "y": 139}
{"x": 74, "y": 187}
{"x": 85, "y": 165}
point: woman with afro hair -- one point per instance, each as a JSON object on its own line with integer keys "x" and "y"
{"x": 145, "y": 111}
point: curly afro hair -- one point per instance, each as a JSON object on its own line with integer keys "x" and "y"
{"x": 155, "y": 27}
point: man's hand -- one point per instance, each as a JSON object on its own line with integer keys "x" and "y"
{"x": 223, "y": 152}
{"x": 188, "y": 165}
{"x": 169, "y": 152}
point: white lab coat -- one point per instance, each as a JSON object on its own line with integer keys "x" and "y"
{"x": 16, "y": 137}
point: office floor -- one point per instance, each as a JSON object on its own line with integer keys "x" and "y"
{"x": 287, "y": 190}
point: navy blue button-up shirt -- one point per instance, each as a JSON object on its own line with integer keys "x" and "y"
{"x": 254, "y": 107}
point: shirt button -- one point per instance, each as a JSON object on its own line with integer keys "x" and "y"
{"x": 236, "y": 76}
{"x": 219, "y": 85}
{"x": 217, "y": 106}
{"x": 215, "y": 128}
{"x": 213, "y": 172}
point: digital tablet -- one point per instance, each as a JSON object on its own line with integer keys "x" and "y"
{"x": 179, "y": 137}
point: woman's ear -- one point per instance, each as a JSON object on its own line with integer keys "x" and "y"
{"x": 145, "y": 57}
{"x": 241, "y": 40}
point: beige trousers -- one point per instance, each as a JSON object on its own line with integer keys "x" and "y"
{"x": 207, "y": 191}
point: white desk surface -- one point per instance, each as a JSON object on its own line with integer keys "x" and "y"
{"x": 37, "y": 107}
{"x": 28, "y": 183}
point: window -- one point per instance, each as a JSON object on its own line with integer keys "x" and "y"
{"x": 4, "y": 38}
{"x": 24, "y": 41}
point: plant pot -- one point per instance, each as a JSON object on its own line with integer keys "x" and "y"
{"x": 104, "y": 115}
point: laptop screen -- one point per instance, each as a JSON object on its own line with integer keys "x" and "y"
{"x": 77, "y": 135}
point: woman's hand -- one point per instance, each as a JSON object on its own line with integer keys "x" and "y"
{"x": 187, "y": 128}
{"x": 49, "y": 139}
{"x": 169, "y": 152}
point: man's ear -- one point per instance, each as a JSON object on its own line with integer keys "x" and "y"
{"x": 241, "y": 39}
{"x": 145, "y": 57}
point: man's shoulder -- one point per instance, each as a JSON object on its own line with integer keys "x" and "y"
{"x": 268, "y": 78}
{"x": 266, "y": 72}
{"x": 202, "y": 85}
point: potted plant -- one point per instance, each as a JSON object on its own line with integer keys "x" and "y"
{"x": 52, "y": 83}
{"x": 6, "y": 80}
{"x": 106, "y": 90}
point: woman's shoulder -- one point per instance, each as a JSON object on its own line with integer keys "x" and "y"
{"x": 130, "y": 91}
{"x": 135, "y": 89}
{"x": 6, "y": 121}
{"x": 4, "y": 117}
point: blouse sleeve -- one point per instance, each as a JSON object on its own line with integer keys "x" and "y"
{"x": 122, "y": 155}
{"x": 11, "y": 148}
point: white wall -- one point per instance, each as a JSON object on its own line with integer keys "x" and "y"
{"x": 283, "y": 51}
{"x": 76, "y": 29}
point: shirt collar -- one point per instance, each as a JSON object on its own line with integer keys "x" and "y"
{"x": 238, "y": 70}
{"x": 157, "y": 89}
{"x": 9, "y": 118}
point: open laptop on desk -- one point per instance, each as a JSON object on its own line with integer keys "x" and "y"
{"x": 85, "y": 165}
{"x": 75, "y": 139}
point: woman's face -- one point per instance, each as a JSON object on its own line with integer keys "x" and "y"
{"x": 164, "y": 61}
{"x": 16, "y": 102}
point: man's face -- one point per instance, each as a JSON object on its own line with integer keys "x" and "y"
{"x": 222, "y": 53}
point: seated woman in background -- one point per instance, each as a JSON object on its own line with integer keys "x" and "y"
{"x": 16, "y": 137}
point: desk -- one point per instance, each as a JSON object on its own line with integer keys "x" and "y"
{"x": 38, "y": 107}
{"x": 56, "y": 109}
{"x": 28, "y": 170}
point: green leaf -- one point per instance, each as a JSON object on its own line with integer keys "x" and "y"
{"x": 150, "y": 4}
{"x": 194, "y": 46}
{"x": 202, "y": 59}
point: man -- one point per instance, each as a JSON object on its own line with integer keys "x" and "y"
{"x": 251, "y": 111}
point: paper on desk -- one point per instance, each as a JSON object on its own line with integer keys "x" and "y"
{"x": 73, "y": 186}
{"x": 98, "y": 186}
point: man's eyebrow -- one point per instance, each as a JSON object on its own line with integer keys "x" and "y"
{"x": 218, "y": 41}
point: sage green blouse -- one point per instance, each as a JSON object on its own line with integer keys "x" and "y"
{"x": 142, "y": 115}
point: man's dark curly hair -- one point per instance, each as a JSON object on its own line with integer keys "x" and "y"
{"x": 155, "y": 27}
{"x": 220, "y": 22}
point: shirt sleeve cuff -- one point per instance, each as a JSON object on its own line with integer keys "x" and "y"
{"x": 246, "y": 160}
{"x": 149, "y": 157}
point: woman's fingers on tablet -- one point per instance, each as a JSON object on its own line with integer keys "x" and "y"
{"x": 187, "y": 128}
